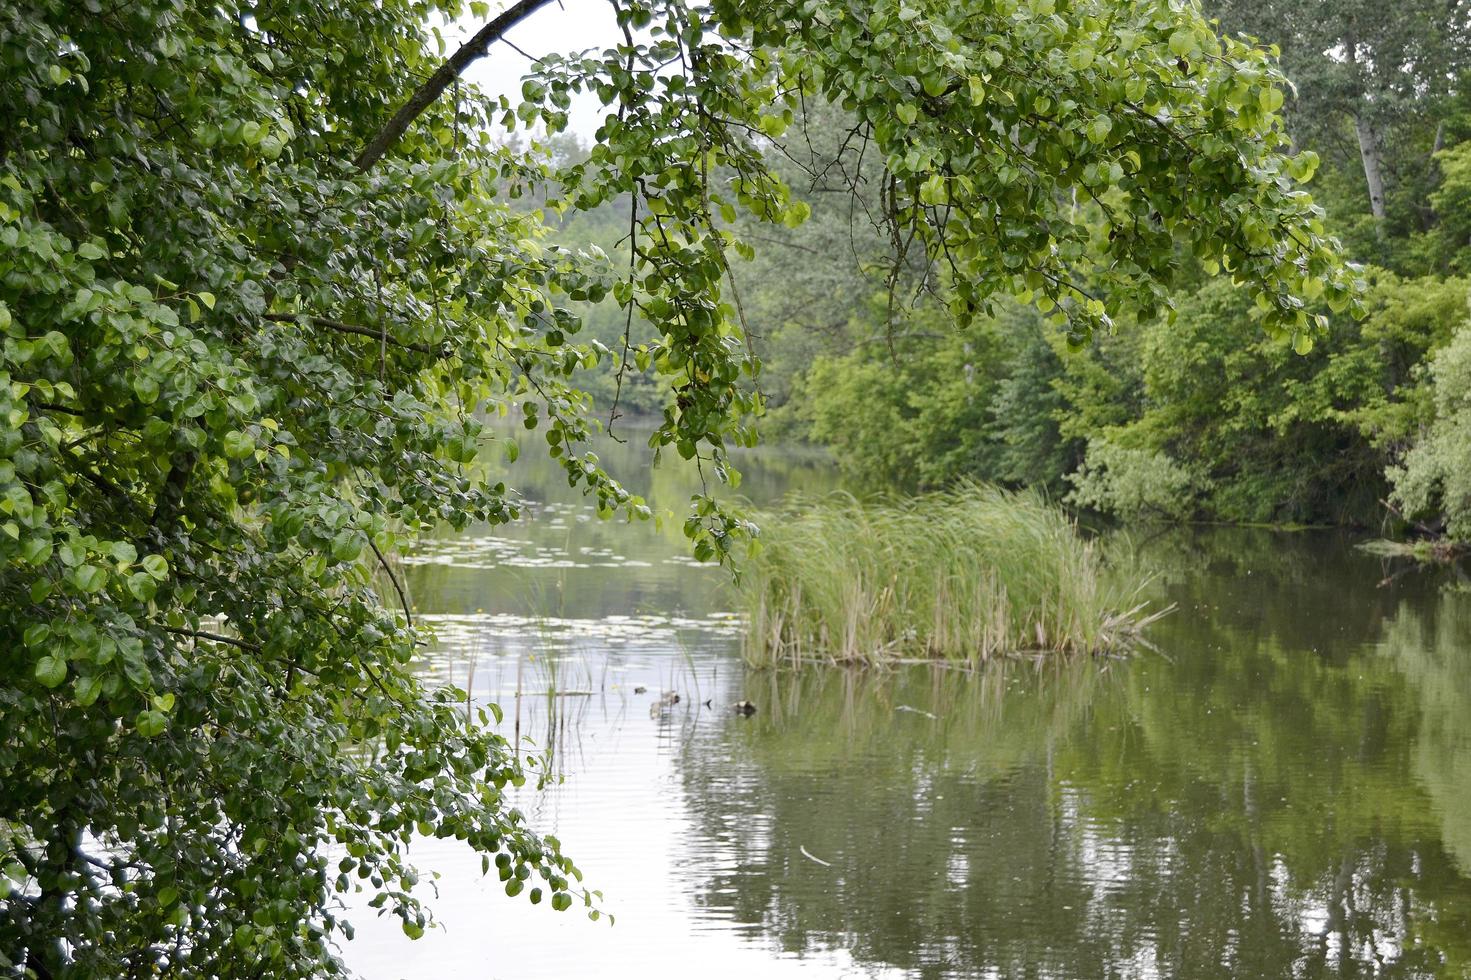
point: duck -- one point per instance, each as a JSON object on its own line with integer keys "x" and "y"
{"x": 666, "y": 700}
{"x": 744, "y": 708}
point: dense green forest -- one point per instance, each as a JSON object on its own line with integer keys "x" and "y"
{"x": 1194, "y": 412}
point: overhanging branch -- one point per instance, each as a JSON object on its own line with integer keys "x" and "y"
{"x": 469, "y": 53}
{"x": 213, "y": 638}
{"x": 337, "y": 325}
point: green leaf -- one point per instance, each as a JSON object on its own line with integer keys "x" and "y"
{"x": 239, "y": 445}
{"x": 146, "y": 388}
{"x": 51, "y": 670}
{"x": 151, "y": 723}
{"x": 347, "y": 546}
{"x": 88, "y": 689}
{"x": 463, "y": 448}
{"x": 89, "y": 578}
{"x": 36, "y": 551}
{"x": 796, "y": 213}
{"x": 977, "y": 89}
{"x": 137, "y": 672}
{"x": 933, "y": 191}
{"x": 1302, "y": 168}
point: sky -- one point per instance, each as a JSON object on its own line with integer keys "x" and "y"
{"x": 572, "y": 25}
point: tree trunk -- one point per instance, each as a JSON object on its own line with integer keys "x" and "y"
{"x": 1369, "y": 153}
{"x": 1368, "y": 138}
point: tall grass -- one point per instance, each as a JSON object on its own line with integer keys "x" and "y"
{"x": 958, "y": 576}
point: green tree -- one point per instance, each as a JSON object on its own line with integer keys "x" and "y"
{"x": 1273, "y": 435}
{"x": 1371, "y": 85}
{"x": 1452, "y": 201}
{"x": 1433, "y": 482}
{"x": 912, "y": 411}
{"x": 255, "y": 292}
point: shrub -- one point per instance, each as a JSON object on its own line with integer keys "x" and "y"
{"x": 1134, "y": 484}
{"x": 1434, "y": 480}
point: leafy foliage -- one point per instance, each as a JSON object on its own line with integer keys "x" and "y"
{"x": 1136, "y": 484}
{"x": 912, "y": 412}
{"x": 236, "y": 372}
{"x": 1434, "y": 480}
{"x": 1294, "y": 429}
{"x": 1285, "y": 437}
{"x": 1004, "y": 116}
{"x": 1371, "y": 87}
{"x": 250, "y": 326}
{"x": 1452, "y": 201}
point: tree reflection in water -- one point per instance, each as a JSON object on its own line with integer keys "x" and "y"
{"x": 1284, "y": 791}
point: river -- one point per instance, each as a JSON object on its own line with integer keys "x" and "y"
{"x": 1281, "y": 789}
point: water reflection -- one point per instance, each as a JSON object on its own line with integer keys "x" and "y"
{"x": 936, "y": 823}
{"x": 1242, "y": 806}
{"x": 561, "y": 559}
{"x": 1431, "y": 648}
{"x": 1284, "y": 790}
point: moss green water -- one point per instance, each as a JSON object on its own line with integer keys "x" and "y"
{"x": 1283, "y": 791}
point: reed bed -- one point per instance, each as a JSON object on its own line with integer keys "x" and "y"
{"x": 961, "y": 576}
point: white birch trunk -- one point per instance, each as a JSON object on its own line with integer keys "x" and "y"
{"x": 1369, "y": 154}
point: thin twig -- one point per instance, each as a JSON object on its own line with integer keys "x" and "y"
{"x": 379, "y": 335}
{"x": 402, "y": 597}
{"x": 214, "y": 637}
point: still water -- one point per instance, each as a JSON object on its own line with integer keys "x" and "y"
{"x": 1283, "y": 789}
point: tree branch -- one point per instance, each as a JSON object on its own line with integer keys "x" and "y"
{"x": 402, "y": 596}
{"x": 469, "y": 53}
{"x": 340, "y": 327}
{"x": 214, "y": 637}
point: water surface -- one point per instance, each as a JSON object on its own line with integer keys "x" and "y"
{"x": 1283, "y": 789}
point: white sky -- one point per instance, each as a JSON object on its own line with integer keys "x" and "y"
{"x": 572, "y": 25}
